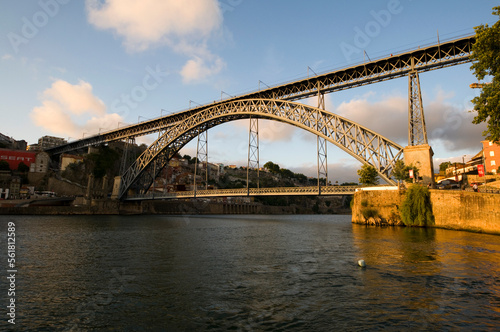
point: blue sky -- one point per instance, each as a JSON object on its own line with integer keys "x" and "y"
{"x": 72, "y": 68}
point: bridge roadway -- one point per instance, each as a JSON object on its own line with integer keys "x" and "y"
{"x": 242, "y": 192}
{"x": 423, "y": 59}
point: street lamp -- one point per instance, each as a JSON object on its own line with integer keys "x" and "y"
{"x": 463, "y": 169}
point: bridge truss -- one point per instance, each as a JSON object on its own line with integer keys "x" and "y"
{"x": 276, "y": 103}
{"x": 360, "y": 142}
{"x": 423, "y": 59}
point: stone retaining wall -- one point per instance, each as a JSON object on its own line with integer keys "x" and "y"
{"x": 453, "y": 209}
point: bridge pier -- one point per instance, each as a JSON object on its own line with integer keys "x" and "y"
{"x": 419, "y": 153}
{"x": 421, "y": 157}
{"x": 116, "y": 187}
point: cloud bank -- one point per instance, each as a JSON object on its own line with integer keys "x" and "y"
{"x": 449, "y": 125}
{"x": 184, "y": 26}
{"x": 71, "y": 110}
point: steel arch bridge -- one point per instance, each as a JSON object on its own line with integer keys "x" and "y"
{"x": 360, "y": 142}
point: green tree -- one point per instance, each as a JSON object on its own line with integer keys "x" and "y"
{"x": 416, "y": 209}
{"x": 272, "y": 167}
{"x": 485, "y": 57}
{"x": 401, "y": 171}
{"x": 444, "y": 166}
{"x": 286, "y": 173}
{"x": 104, "y": 162}
{"x": 23, "y": 168}
{"x": 368, "y": 175}
{"x": 4, "y": 166}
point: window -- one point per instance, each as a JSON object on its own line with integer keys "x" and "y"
{"x": 493, "y": 163}
{"x": 492, "y": 153}
{"x": 491, "y": 143}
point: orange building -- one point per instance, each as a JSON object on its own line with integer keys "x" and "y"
{"x": 491, "y": 153}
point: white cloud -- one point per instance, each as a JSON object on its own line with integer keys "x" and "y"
{"x": 7, "y": 57}
{"x": 78, "y": 99}
{"x": 270, "y": 130}
{"x": 71, "y": 110}
{"x": 388, "y": 117}
{"x": 185, "y": 26}
{"x": 448, "y": 125}
{"x": 198, "y": 69}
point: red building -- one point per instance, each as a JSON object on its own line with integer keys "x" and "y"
{"x": 491, "y": 153}
{"x": 15, "y": 157}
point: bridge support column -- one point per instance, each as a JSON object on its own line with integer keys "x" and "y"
{"x": 321, "y": 144}
{"x": 417, "y": 133}
{"x": 116, "y": 187}
{"x": 201, "y": 156}
{"x": 253, "y": 151}
{"x": 418, "y": 152}
{"x": 421, "y": 157}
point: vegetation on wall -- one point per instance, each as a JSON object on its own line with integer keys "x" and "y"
{"x": 416, "y": 209}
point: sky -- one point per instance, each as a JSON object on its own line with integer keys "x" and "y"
{"x": 76, "y": 68}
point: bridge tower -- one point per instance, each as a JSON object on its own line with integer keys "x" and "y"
{"x": 253, "y": 150}
{"x": 418, "y": 152}
{"x": 321, "y": 144}
{"x": 201, "y": 157}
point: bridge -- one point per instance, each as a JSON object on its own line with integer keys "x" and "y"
{"x": 279, "y": 103}
{"x": 244, "y": 192}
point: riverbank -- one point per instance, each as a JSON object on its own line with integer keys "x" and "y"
{"x": 452, "y": 209}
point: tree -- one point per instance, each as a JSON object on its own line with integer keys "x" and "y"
{"x": 286, "y": 173}
{"x": 23, "y": 168}
{"x": 444, "y": 166}
{"x": 402, "y": 172}
{"x": 368, "y": 175}
{"x": 416, "y": 209}
{"x": 272, "y": 167}
{"x": 4, "y": 166}
{"x": 103, "y": 162}
{"x": 485, "y": 57}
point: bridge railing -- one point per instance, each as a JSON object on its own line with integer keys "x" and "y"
{"x": 241, "y": 192}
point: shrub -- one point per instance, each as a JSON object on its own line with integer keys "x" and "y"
{"x": 369, "y": 213}
{"x": 416, "y": 209}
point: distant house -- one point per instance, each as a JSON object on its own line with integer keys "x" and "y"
{"x": 41, "y": 164}
{"x": 67, "y": 159}
{"x": 491, "y": 155}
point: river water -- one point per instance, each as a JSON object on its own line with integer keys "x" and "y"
{"x": 247, "y": 273}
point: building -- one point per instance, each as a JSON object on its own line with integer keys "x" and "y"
{"x": 491, "y": 155}
{"x": 47, "y": 142}
{"x": 67, "y": 159}
{"x": 15, "y": 157}
{"x": 41, "y": 164}
{"x": 10, "y": 143}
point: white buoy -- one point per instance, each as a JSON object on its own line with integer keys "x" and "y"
{"x": 361, "y": 263}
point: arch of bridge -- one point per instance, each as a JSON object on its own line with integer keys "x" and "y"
{"x": 360, "y": 142}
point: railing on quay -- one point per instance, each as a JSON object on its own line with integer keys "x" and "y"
{"x": 241, "y": 192}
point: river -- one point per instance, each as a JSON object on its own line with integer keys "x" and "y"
{"x": 246, "y": 273}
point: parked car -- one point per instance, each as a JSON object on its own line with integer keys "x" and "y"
{"x": 448, "y": 184}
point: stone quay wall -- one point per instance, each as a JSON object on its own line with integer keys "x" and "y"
{"x": 452, "y": 209}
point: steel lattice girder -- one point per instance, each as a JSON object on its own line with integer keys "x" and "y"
{"x": 446, "y": 54}
{"x": 360, "y": 142}
{"x": 276, "y": 191}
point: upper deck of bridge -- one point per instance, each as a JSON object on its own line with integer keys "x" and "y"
{"x": 427, "y": 58}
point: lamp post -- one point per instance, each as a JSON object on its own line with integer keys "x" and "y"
{"x": 463, "y": 171}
